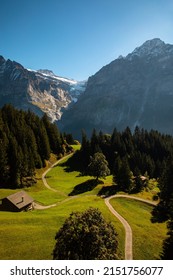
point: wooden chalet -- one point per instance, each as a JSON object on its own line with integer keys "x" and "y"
{"x": 17, "y": 202}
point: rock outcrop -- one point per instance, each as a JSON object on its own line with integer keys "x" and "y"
{"x": 41, "y": 91}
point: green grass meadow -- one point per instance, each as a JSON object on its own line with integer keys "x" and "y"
{"x": 147, "y": 236}
{"x": 31, "y": 235}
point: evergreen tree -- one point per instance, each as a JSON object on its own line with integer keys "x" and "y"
{"x": 25, "y": 143}
{"x": 164, "y": 210}
{"x": 34, "y": 159}
{"x": 14, "y": 162}
{"x": 84, "y": 145}
{"x": 85, "y": 151}
{"x": 43, "y": 143}
{"x": 69, "y": 138}
{"x": 128, "y": 141}
{"x": 53, "y": 135}
{"x": 4, "y": 172}
{"x": 94, "y": 143}
{"x": 123, "y": 177}
{"x": 167, "y": 252}
{"x": 117, "y": 165}
{"x": 138, "y": 182}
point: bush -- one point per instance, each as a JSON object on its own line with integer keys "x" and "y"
{"x": 86, "y": 236}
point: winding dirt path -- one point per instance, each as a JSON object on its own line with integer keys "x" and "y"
{"x": 128, "y": 230}
{"x": 39, "y": 206}
{"x": 44, "y": 175}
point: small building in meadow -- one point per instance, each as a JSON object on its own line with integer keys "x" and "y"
{"x": 17, "y": 202}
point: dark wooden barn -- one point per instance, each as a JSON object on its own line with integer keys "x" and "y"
{"x": 17, "y": 202}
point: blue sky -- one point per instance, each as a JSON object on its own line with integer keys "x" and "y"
{"x": 75, "y": 38}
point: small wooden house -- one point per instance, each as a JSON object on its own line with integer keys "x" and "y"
{"x": 17, "y": 202}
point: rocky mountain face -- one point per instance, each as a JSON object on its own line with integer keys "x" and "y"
{"x": 41, "y": 91}
{"x": 136, "y": 90}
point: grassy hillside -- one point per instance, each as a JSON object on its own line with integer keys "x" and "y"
{"x": 147, "y": 236}
{"x": 30, "y": 235}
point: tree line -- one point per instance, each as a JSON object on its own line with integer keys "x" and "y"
{"x": 164, "y": 209}
{"x": 141, "y": 150}
{"x": 26, "y": 142}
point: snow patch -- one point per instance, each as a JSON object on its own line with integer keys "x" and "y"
{"x": 15, "y": 74}
{"x": 60, "y": 94}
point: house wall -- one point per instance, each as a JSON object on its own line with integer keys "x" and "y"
{"x": 8, "y": 206}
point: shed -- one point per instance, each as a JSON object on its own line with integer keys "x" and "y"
{"x": 17, "y": 202}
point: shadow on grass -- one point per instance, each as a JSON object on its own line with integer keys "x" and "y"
{"x": 159, "y": 214}
{"x": 108, "y": 191}
{"x": 89, "y": 185}
{"x": 74, "y": 163}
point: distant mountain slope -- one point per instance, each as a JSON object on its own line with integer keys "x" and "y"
{"x": 41, "y": 91}
{"x": 136, "y": 90}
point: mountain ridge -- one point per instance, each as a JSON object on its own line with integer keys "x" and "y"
{"x": 41, "y": 91}
{"x": 136, "y": 90}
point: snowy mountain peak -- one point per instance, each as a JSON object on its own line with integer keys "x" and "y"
{"x": 151, "y": 48}
{"x": 46, "y": 72}
{"x": 41, "y": 91}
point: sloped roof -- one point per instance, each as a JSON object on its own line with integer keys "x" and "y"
{"x": 20, "y": 199}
